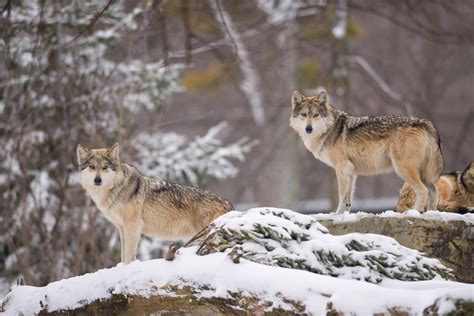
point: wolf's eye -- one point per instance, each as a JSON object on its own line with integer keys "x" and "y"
{"x": 304, "y": 114}
{"x": 105, "y": 167}
{"x": 315, "y": 115}
{"x": 92, "y": 167}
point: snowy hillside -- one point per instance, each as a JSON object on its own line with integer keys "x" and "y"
{"x": 272, "y": 287}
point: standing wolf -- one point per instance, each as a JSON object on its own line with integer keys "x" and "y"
{"x": 369, "y": 145}
{"x": 136, "y": 204}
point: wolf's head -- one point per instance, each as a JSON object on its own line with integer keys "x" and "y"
{"x": 468, "y": 177}
{"x": 98, "y": 167}
{"x": 309, "y": 114}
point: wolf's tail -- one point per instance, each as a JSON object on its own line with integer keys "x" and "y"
{"x": 434, "y": 157}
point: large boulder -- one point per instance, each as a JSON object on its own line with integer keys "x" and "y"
{"x": 288, "y": 239}
{"x": 446, "y": 236}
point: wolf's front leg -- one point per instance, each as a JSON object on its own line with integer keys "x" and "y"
{"x": 345, "y": 183}
{"x": 131, "y": 235}
{"x": 122, "y": 244}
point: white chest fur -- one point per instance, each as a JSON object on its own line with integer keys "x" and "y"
{"x": 314, "y": 144}
{"x": 101, "y": 200}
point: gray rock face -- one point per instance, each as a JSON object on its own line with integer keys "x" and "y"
{"x": 451, "y": 241}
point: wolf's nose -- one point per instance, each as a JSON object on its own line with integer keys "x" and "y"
{"x": 309, "y": 129}
{"x": 97, "y": 181}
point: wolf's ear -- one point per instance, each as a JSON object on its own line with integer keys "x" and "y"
{"x": 322, "y": 97}
{"x": 82, "y": 154}
{"x": 113, "y": 151}
{"x": 296, "y": 99}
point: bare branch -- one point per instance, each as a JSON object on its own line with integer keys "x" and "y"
{"x": 358, "y": 60}
{"x": 91, "y": 24}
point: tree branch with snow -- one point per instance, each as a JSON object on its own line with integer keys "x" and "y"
{"x": 250, "y": 85}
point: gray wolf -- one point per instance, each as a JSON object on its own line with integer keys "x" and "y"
{"x": 369, "y": 145}
{"x": 137, "y": 205}
{"x": 455, "y": 192}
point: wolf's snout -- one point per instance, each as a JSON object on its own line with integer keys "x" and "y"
{"x": 309, "y": 129}
{"x": 97, "y": 180}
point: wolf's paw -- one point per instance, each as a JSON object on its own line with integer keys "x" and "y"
{"x": 344, "y": 210}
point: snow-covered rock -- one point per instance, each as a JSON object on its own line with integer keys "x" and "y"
{"x": 288, "y": 239}
{"x": 216, "y": 276}
{"x": 213, "y": 283}
{"x": 448, "y": 237}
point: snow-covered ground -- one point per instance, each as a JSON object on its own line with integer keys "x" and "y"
{"x": 323, "y": 205}
{"x": 222, "y": 276}
{"x": 215, "y": 276}
{"x": 429, "y": 215}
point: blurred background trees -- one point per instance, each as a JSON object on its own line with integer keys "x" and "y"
{"x": 160, "y": 77}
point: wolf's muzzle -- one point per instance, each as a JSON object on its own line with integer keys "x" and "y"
{"x": 309, "y": 129}
{"x": 97, "y": 181}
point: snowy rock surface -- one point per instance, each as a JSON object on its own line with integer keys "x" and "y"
{"x": 216, "y": 277}
{"x": 446, "y": 236}
{"x": 288, "y": 239}
{"x": 214, "y": 284}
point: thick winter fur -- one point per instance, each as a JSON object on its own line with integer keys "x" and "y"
{"x": 455, "y": 192}
{"x": 369, "y": 145}
{"x": 137, "y": 205}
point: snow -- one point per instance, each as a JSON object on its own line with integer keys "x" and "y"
{"x": 429, "y": 215}
{"x": 284, "y": 238}
{"x": 4, "y": 287}
{"x": 222, "y": 277}
{"x": 215, "y": 275}
{"x": 340, "y": 29}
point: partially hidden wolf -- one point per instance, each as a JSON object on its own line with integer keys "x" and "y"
{"x": 369, "y": 145}
{"x": 455, "y": 192}
{"x": 137, "y": 205}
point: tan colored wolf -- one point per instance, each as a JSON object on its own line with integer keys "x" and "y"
{"x": 136, "y": 204}
{"x": 369, "y": 145}
{"x": 455, "y": 192}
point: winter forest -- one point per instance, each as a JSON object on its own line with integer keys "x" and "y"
{"x": 199, "y": 92}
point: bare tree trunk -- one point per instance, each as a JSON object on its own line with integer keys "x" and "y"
{"x": 279, "y": 184}
{"x": 340, "y": 75}
{"x": 291, "y": 193}
{"x": 188, "y": 35}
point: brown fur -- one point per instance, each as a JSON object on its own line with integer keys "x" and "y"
{"x": 137, "y": 205}
{"x": 455, "y": 192}
{"x": 369, "y": 145}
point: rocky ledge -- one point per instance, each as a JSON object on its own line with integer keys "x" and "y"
{"x": 445, "y": 236}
